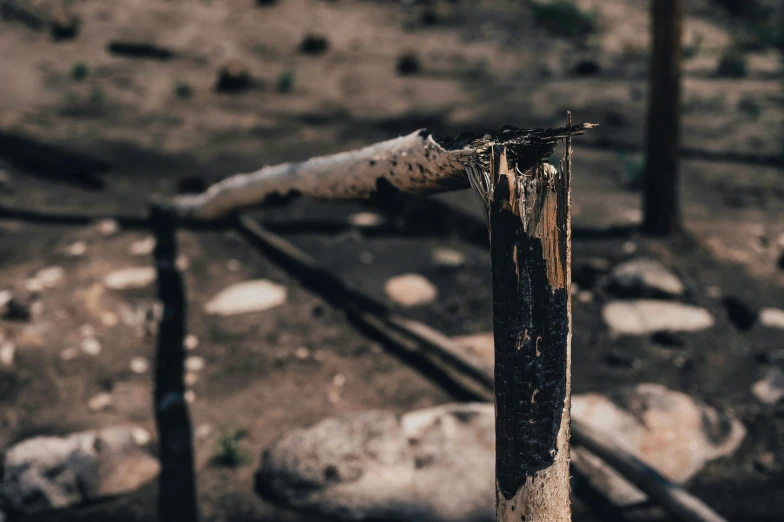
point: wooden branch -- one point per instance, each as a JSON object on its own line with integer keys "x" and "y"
{"x": 177, "y": 490}
{"x": 418, "y": 164}
{"x": 528, "y": 205}
{"x": 412, "y": 340}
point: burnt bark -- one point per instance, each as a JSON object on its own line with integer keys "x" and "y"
{"x": 529, "y": 225}
{"x": 660, "y": 199}
{"x": 177, "y": 490}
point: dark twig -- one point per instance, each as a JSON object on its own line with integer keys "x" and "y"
{"x": 177, "y": 490}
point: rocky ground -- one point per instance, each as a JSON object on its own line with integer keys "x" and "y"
{"x": 228, "y": 86}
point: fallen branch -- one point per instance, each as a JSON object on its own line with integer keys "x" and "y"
{"x": 432, "y": 351}
{"x": 418, "y": 163}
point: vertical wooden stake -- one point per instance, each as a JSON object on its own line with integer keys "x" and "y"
{"x": 529, "y": 220}
{"x": 660, "y": 199}
{"x": 177, "y": 491}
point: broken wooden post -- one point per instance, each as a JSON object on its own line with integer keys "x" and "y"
{"x": 177, "y": 490}
{"x": 660, "y": 196}
{"x": 527, "y": 202}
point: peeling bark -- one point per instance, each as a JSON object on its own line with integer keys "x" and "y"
{"x": 528, "y": 205}
{"x": 418, "y": 164}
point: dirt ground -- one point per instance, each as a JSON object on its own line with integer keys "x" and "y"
{"x": 483, "y": 64}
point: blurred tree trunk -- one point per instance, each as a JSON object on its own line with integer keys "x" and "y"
{"x": 660, "y": 199}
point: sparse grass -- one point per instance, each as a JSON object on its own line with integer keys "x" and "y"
{"x": 285, "y": 81}
{"x": 228, "y": 452}
{"x": 692, "y": 49}
{"x": 732, "y": 63}
{"x": 182, "y": 90}
{"x": 565, "y": 18}
{"x": 749, "y": 105}
{"x": 79, "y": 71}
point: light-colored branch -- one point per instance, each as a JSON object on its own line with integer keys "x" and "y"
{"x": 418, "y": 163}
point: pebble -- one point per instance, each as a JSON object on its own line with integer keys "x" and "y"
{"x": 139, "y": 365}
{"x": 182, "y": 262}
{"x": 410, "y": 290}
{"x": 69, "y": 354}
{"x": 194, "y": 363}
{"x": 140, "y": 436}
{"x": 629, "y": 247}
{"x": 302, "y": 353}
{"x": 766, "y": 463}
{"x": 203, "y": 431}
{"x": 107, "y": 227}
{"x": 87, "y": 330}
{"x": 365, "y": 219}
{"x": 339, "y": 380}
{"x": 109, "y": 319}
{"x": 91, "y": 346}
{"x": 143, "y": 247}
{"x": 772, "y": 318}
{"x": 233, "y": 265}
{"x": 76, "y": 249}
{"x": 99, "y": 402}
{"x": 248, "y": 296}
{"x": 128, "y": 278}
{"x": 334, "y": 397}
{"x": 769, "y": 389}
{"x": 45, "y": 278}
{"x": 647, "y": 316}
{"x": 448, "y": 257}
{"x": 643, "y": 276}
{"x": 191, "y": 342}
{"x": 190, "y": 396}
{"x": 7, "y": 353}
{"x": 191, "y": 378}
{"x": 584, "y": 296}
{"x": 713, "y": 291}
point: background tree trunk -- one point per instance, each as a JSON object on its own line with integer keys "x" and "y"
{"x": 660, "y": 199}
{"x": 529, "y": 220}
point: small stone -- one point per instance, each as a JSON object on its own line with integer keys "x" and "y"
{"x": 769, "y": 389}
{"x": 302, "y": 353}
{"x": 91, "y": 346}
{"x": 143, "y": 247}
{"x": 772, "y": 318}
{"x": 365, "y": 219}
{"x": 194, "y": 363}
{"x": 7, "y": 353}
{"x": 99, "y": 402}
{"x": 448, "y": 257}
{"x": 87, "y": 330}
{"x": 182, "y": 262}
{"x": 46, "y": 278}
{"x": 233, "y": 265}
{"x": 109, "y": 319}
{"x": 629, "y": 247}
{"x": 234, "y": 77}
{"x": 130, "y": 278}
{"x": 339, "y": 380}
{"x": 107, "y": 227}
{"x": 766, "y": 463}
{"x": 139, "y": 365}
{"x": 69, "y": 354}
{"x": 584, "y": 296}
{"x": 203, "y": 431}
{"x": 334, "y": 397}
{"x": 191, "y": 378}
{"x": 191, "y": 342}
{"x": 647, "y": 316}
{"x": 140, "y": 436}
{"x": 713, "y": 291}
{"x": 644, "y": 277}
{"x": 190, "y": 396}
{"x": 249, "y": 296}
{"x": 410, "y": 290}
{"x": 76, "y": 249}
{"x": 314, "y": 44}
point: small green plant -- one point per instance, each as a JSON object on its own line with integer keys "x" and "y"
{"x": 633, "y": 171}
{"x": 748, "y": 105}
{"x": 732, "y": 63}
{"x": 286, "y": 81}
{"x": 182, "y": 90}
{"x": 565, "y": 18}
{"x": 229, "y": 453}
{"x": 79, "y": 71}
{"x": 692, "y": 49}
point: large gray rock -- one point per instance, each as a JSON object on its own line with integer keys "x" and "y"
{"x": 644, "y": 277}
{"x": 647, "y": 316}
{"x": 437, "y": 463}
{"x": 44, "y": 473}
